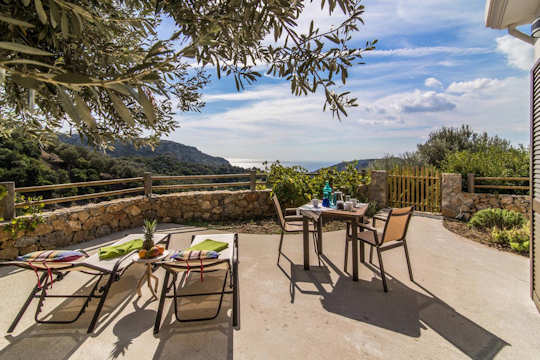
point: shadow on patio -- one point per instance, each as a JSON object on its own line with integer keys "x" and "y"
{"x": 402, "y": 310}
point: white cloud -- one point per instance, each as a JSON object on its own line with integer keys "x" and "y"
{"x": 428, "y": 50}
{"x": 260, "y": 93}
{"x": 468, "y": 86}
{"x": 433, "y": 83}
{"x": 518, "y": 53}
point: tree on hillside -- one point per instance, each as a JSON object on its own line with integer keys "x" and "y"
{"x": 447, "y": 140}
{"x": 101, "y": 67}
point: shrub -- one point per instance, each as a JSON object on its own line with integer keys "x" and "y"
{"x": 491, "y": 161}
{"x": 294, "y": 187}
{"x": 516, "y": 238}
{"x": 499, "y": 218}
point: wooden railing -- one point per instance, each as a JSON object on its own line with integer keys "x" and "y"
{"x": 472, "y": 183}
{"x": 8, "y": 204}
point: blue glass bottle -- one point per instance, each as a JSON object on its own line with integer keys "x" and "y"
{"x": 327, "y": 193}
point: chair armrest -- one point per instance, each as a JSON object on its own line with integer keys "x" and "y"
{"x": 367, "y": 227}
{"x": 294, "y": 218}
{"x": 291, "y": 211}
{"x": 379, "y": 216}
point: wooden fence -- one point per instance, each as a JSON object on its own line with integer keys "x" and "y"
{"x": 418, "y": 186}
{"x": 8, "y": 204}
{"x": 472, "y": 183}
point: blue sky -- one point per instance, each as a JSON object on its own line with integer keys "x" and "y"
{"x": 436, "y": 64}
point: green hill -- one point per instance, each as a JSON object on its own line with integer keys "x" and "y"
{"x": 360, "y": 164}
{"x": 25, "y": 162}
{"x": 182, "y": 153}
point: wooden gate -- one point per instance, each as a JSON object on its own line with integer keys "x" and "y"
{"x": 416, "y": 186}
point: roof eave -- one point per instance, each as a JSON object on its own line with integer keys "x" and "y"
{"x": 494, "y": 13}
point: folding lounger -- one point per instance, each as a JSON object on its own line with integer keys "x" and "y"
{"x": 113, "y": 268}
{"x": 227, "y": 260}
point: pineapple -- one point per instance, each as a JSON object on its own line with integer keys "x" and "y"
{"x": 149, "y": 229}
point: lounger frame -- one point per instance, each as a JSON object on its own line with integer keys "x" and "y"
{"x": 173, "y": 268}
{"x": 61, "y": 270}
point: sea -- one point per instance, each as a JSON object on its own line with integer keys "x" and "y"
{"x": 259, "y": 163}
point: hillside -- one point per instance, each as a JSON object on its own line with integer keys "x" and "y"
{"x": 23, "y": 161}
{"x": 360, "y": 164}
{"x": 181, "y": 152}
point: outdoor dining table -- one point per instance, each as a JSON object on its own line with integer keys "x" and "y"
{"x": 309, "y": 212}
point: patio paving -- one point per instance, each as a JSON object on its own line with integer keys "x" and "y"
{"x": 468, "y": 301}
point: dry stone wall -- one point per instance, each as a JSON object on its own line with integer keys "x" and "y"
{"x": 82, "y": 223}
{"x": 463, "y": 205}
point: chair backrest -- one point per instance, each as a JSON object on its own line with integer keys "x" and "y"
{"x": 397, "y": 224}
{"x": 278, "y": 211}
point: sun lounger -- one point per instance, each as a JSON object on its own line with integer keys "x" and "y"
{"x": 227, "y": 260}
{"x": 112, "y": 268}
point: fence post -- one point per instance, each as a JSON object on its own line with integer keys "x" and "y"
{"x": 252, "y": 180}
{"x": 148, "y": 184}
{"x": 7, "y": 203}
{"x": 470, "y": 183}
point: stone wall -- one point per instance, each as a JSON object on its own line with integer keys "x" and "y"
{"x": 82, "y": 223}
{"x": 463, "y": 205}
{"x": 378, "y": 188}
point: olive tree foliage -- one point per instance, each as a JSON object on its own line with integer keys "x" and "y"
{"x": 100, "y": 67}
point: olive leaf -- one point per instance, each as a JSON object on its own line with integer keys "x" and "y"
{"x": 121, "y": 109}
{"x": 13, "y": 46}
{"x": 13, "y": 21}
{"x": 84, "y": 112}
{"x": 40, "y": 11}
{"x": 67, "y": 105}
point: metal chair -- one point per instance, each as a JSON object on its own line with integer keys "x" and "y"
{"x": 292, "y": 224}
{"x": 393, "y": 235}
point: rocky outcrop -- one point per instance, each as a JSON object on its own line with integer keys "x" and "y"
{"x": 82, "y": 223}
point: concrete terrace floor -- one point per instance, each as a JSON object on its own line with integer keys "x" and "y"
{"x": 469, "y": 301}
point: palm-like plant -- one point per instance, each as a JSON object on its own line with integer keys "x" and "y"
{"x": 149, "y": 230}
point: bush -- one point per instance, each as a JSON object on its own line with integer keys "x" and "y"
{"x": 516, "y": 238}
{"x": 294, "y": 187}
{"x": 498, "y": 218}
{"x": 491, "y": 161}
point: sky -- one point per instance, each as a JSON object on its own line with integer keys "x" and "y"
{"x": 435, "y": 64}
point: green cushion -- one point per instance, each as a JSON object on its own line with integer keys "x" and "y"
{"x": 210, "y": 245}
{"x": 113, "y": 251}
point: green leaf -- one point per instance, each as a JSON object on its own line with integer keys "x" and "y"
{"x": 147, "y": 105}
{"x": 13, "y": 21}
{"x": 26, "y": 82}
{"x": 26, "y": 2}
{"x": 31, "y": 62}
{"x": 121, "y": 109}
{"x": 40, "y": 11}
{"x": 85, "y": 112}
{"x": 54, "y": 13}
{"x": 121, "y": 88}
{"x": 64, "y": 24}
{"x": 7, "y": 45}
{"x": 73, "y": 78}
{"x": 67, "y": 105}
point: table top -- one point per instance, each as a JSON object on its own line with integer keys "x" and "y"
{"x": 150, "y": 260}
{"x": 354, "y": 213}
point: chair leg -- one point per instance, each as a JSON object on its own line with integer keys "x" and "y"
{"x": 408, "y": 260}
{"x": 381, "y": 268}
{"x": 104, "y": 294}
{"x": 280, "y": 245}
{"x": 371, "y": 255}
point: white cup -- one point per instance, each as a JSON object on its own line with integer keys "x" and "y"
{"x": 354, "y": 202}
{"x": 348, "y": 206}
{"x": 315, "y": 202}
